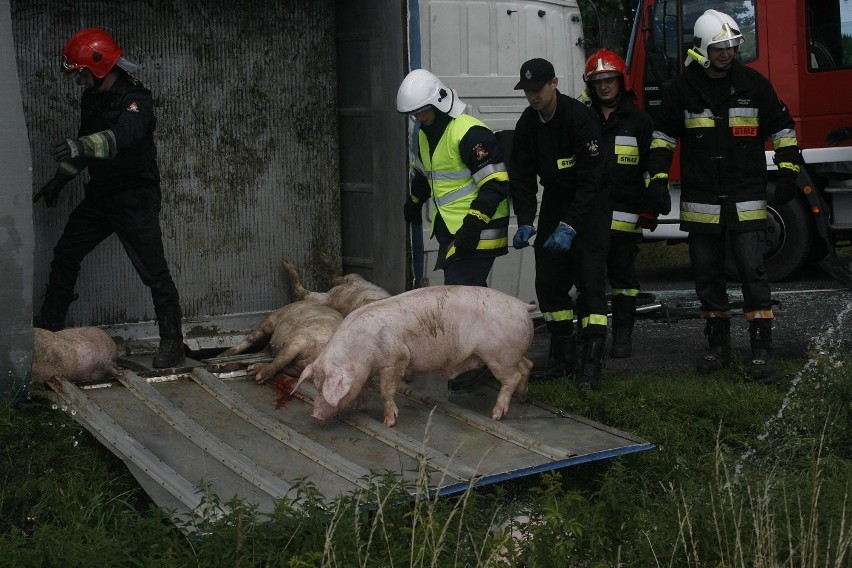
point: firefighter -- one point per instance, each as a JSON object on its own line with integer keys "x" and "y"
{"x": 460, "y": 166}
{"x": 464, "y": 174}
{"x": 625, "y": 142}
{"x": 722, "y": 112}
{"x": 115, "y": 142}
{"x": 557, "y": 140}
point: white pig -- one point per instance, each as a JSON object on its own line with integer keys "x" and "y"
{"x": 295, "y": 334}
{"x": 444, "y": 329}
{"x": 350, "y": 291}
{"x": 75, "y": 354}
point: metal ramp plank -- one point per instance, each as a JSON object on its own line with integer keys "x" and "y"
{"x": 228, "y": 456}
{"x": 335, "y": 436}
{"x": 408, "y": 445}
{"x": 486, "y": 424}
{"x": 292, "y": 439}
{"x": 125, "y": 446}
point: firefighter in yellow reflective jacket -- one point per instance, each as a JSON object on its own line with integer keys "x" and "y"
{"x": 722, "y": 112}
{"x": 460, "y": 165}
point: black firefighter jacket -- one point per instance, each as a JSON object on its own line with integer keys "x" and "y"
{"x": 625, "y": 144}
{"x": 722, "y": 125}
{"x": 565, "y": 153}
{"x": 127, "y": 110}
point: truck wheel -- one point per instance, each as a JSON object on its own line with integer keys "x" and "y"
{"x": 789, "y": 240}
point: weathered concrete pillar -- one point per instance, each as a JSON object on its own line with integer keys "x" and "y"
{"x": 16, "y": 225}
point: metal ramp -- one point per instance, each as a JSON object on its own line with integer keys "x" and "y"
{"x": 210, "y": 429}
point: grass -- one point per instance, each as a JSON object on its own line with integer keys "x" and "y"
{"x": 660, "y": 253}
{"x": 744, "y": 475}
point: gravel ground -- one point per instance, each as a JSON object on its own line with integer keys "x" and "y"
{"x": 808, "y": 308}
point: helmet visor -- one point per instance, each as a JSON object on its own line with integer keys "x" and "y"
{"x": 603, "y": 75}
{"x": 733, "y": 42}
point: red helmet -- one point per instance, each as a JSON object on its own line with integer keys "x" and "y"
{"x": 92, "y": 49}
{"x": 603, "y": 64}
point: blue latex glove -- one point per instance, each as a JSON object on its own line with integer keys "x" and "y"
{"x": 523, "y": 236}
{"x": 560, "y": 240}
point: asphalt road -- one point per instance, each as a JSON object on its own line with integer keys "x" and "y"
{"x": 810, "y": 308}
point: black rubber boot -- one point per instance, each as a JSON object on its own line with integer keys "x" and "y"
{"x": 623, "y": 318}
{"x": 562, "y": 358}
{"x": 762, "y": 366}
{"x": 171, "y": 340}
{"x": 54, "y": 308}
{"x": 718, "y": 332}
{"x": 591, "y": 362}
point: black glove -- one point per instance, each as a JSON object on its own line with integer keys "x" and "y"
{"x": 656, "y": 198}
{"x": 838, "y": 135}
{"x": 412, "y": 211}
{"x": 467, "y": 237}
{"x": 786, "y": 188}
{"x": 67, "y": 149}
{"x": 647, "y": 221}
{"x": 50, "y": 190}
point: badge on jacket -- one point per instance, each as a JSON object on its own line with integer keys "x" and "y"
{"x": 592, "y": 148}
{"x": 480, "y": 151}
{"x": 133, "y": 107}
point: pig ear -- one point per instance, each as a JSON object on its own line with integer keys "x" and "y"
{"x": 306, "y": 374}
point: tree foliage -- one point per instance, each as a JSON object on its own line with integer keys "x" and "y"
{"x": 607, "y": 23}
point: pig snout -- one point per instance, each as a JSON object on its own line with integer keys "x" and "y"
{"x": 323, "y": 410}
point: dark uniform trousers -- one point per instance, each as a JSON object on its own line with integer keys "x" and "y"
{"x": 621, "y": 262}
{"x": 707, "y": 252}
{"x": 133, "y": 215}
{"x": 584, "y": 266}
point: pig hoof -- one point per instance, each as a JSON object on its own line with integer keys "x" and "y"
{"x": 389, "y": 421}
{"x": 498, "y": 413}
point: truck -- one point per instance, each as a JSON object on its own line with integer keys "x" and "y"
{"x": 804, "y": 47}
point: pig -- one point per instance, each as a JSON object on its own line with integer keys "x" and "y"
{"x": 444, "y": 329}
{"x": 75, "y": 354}
{"x": 350, "y": 291}
{"x": 295, "y": 334}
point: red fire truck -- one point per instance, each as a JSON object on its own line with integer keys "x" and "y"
{"x": 804, "y": 47}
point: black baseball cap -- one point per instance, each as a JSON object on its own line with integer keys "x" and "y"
{"x": 534, "y": 74}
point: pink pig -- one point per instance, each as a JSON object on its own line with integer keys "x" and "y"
{"x": 350, "y": 291}
{"x": 75, "y": 354}
{"x": 445, "y": 329}
{"x": 295, "y": 334}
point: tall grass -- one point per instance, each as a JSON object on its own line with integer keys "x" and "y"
{"x": 744, "y": 475}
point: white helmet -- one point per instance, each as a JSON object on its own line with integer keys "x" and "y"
{"x": 714, "y": 29}
{"x": 420, "y": 88}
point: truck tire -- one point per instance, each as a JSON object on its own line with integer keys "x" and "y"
{"x": 789, "y": 241}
